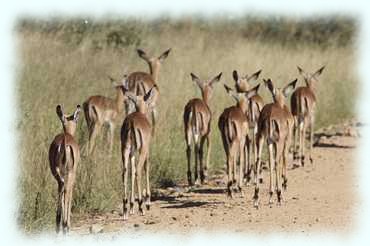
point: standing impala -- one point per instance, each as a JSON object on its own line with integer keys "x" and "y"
{"x": 100, "y": 110}
{"x": 274, "y": 126}
{"x": 303, "y": 103}
{"x": 64, "y": 155}
{"x": 254, "y": 107}
{"x": 140, "y": 83}
{"x": 197, "y": 126}
{"x": 233, "y": 125}
{"x": 135, "y": 140}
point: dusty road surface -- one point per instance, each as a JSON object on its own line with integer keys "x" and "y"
{"x": 320, "y": 197}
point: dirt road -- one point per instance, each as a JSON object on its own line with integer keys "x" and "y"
{"x": 320, "y": 197}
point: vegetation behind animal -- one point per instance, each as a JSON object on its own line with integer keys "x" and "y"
{"x": 66, "y": 61}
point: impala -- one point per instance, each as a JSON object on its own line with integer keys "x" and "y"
{"x": 140, "y": 83}
{"x": 64, "y": 155}
{"x": 233, "y": 126}
{"x": 274, "y": 126}
{"x": 197, "y": 126}
{"x": 303, "y": 104}
{"x": 254, "y": 107}
{"x": 100, "y": 110}
{"x": 135, "y": 140}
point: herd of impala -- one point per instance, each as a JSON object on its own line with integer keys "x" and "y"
{"x": 138, "y": 93}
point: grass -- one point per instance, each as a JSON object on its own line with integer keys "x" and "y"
{"x": 53, "y": 71}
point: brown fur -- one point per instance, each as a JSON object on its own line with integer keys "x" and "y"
{"x": 274, "y": 126}
{"x": 64, "y": 155}
{"x": 135, "y": 141}
{"x": 303, "y": 104}
{"x": 100, "y": 110}
{"x": 233, "y": 126}
{"x": 140, "y": 83}
{"x": 197, "y": 121}
{"x": 243, "y": 84}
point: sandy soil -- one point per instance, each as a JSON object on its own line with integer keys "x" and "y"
{"x": 320, "y": 197}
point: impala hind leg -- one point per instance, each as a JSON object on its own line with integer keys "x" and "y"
{"x": 257, "y": 166}
{"x": 133, "y": 180}
{"x": 147, "y": 193}
{"x": 278, "y": 157}
{"x": 188, "y": 156}
{"x": 247, "y": 161}
{"x": 295, "y": 133}
{"x": 229, "y": 173}
{"x": 241, "y": 167}
{"x": 301, "y": 142}
{"x": 95, "y": 129}
{"x": 125, "y": 158}
{"x": 201, "y": 164}
{"x": 196, "y": 158}
{"x": 312, "y": 120}
{"x": 272, "y": 169}
{"x": 205, "y": 171}
{"x": 138, "y": 177}
{"x": 284, "y": 167}
{"x": 59, "y": 206}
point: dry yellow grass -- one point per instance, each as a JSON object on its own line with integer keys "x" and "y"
{"x": 53, "y": 72}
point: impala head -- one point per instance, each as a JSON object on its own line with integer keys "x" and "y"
{"x": 242, "y": 98}
{"x": 310, "y": 78}
{"x": 280, "y": 94}
{"x": 69, "y": 122}
{"x": 243, "y": 84}
{"x": 154, "y": 62}
{"x": 120, "y": 86}
{"x": 206, "y": 87}
{"x": 142, "y": 103}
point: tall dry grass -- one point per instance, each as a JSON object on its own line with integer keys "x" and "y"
{"x": 52, "y": 71}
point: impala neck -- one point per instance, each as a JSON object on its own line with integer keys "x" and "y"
{"x": 119, "y": 99}
{"x": 69, "y": 127}
{"x": 154, "y": 71}
{"x": 311, "y": 86}
{"x": 242, "y": 104}
{"x": 142, "y": 108}
{"x": 206, "y": 95}
{"x": 280, "y": 100}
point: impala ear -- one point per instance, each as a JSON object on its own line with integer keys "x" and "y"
{"x": 268, "y": 83}
{"x": 113, "y": 81}
{"x": 231, "y": 93}
{"x": 255, "y": 75}
{"x": 164, "y": 55}
{"x": 76, "y": 114}
{"x": 318, "y": 72}
{"x": 215, "y": 79}
{"x": 148, "y": 98}
{"x": 124, "y": 83}
{"x": 252, "y": 92}
{"x": 142, "y": 54}
{"x": 197, "y": 80}
{"x": 235, "y": 76}
{"x": 302, "y": 72}
{"x": 289, "y": 88}
{"x": 60, "y": 113}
